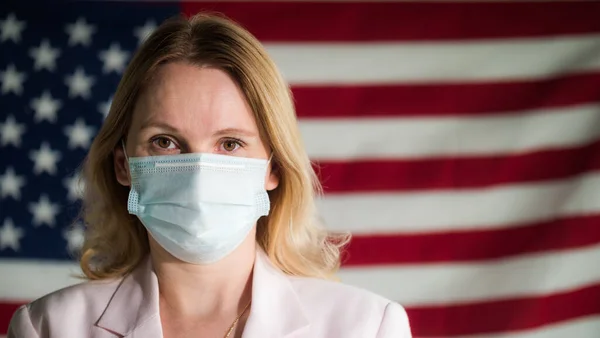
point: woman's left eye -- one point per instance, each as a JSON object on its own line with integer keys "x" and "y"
{"x": 230, "y": 145}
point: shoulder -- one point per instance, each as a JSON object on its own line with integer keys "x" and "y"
{"x": 73, "y": 304}
{"x": 84, "y": 296}
{"x": 314, "y": 289}
{"x": 342, "y": 307}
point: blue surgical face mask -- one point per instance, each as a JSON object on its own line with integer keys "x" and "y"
{"x": 199, "y": 206}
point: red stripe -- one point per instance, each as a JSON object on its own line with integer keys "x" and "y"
{"x": 473, "y": 245}
{"x": 456, "y": 172}
{"x": 445, "y": 99}
{"x": 6, "y": 312}
{"x": 326, "y": 21}
{"x": 505, "y": 315}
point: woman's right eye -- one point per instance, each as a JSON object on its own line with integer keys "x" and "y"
{"x": 164, "y": 143}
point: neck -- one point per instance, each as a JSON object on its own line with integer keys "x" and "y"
{"x": 205, "y": 291}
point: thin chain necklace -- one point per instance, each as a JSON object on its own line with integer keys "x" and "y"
{"x": 236, "y": 320}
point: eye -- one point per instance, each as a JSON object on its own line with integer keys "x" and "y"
{"x": 163, "y": 142}
{"x": 230, "y": 145}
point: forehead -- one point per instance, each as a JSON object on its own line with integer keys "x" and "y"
{"x": 193, "y": 98}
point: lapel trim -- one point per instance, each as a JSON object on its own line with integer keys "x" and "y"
{"x": 276, "y": 310}
{"x": 134, "y": 302}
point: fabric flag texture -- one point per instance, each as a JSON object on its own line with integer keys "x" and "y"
{"x": 458, "y": 141}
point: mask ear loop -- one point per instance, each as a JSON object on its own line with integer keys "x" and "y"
{"x": 129, "y": 199}
{"x": 124, "y": 150}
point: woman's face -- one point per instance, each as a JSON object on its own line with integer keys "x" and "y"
{"x": 188, "y": 109}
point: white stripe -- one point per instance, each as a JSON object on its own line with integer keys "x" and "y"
{"x": 465, "y": 209}
{"x": 28, "y": 280}
{"x": 439, "y": 284}
{"x": 415, "y": 62}
{"x": 585, "y": 327}
{"x": 410, "y": 285}
{"x": 347, "y": 139}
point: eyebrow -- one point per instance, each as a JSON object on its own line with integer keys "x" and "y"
{"x": 221, "y": 132}
{"x": 158, "y": 124}
{"x": 236, "y": 131}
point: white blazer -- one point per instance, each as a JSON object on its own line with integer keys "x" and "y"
{"x": 282, "y": 306}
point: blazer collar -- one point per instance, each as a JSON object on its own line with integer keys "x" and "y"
{"x": 134, "y": 305}
{"x": 275, "y": 312}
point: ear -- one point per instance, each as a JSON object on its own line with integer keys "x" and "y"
{"x": 121, "y": 166}
{"x": 272, "y": 179}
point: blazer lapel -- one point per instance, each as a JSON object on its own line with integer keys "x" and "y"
{"x": 276, "y": 310}
{"x": 133, "y": 309}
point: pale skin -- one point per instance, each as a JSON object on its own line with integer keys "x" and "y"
{"x": 191, "y": 109}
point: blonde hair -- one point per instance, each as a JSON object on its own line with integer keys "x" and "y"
{"x": 291, "y": 235}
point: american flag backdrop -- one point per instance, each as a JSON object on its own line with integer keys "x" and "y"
{"x": 458, "y": 141}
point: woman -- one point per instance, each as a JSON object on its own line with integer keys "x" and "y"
{"x": 200, "y": 208}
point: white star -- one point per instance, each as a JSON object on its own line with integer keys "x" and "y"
{"x": 80, "y": 32}
{"x": 79, "y": 134}
{"x": 12, "y": 80}
{"x": 44, "y": 56}
{"x": 114, "y": 59}
{"x": 10, "y": 28}
{"x": 75, "y": 186}
{"x": 43, "y": 211}
{"x": 79, "y": 84}
{"x": 11, "y": 132}
{"x": 44, "y": 159}
{"x": 11, "y": 184}
{"x": 143, "y": 32}
{"x": 104, "y": 107}
{"x": 74, "y": 236}
{"x": 10, "y": 235}
{"x": 45, "y": 107}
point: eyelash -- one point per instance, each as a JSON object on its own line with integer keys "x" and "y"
{"x": 238, "y": 142}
